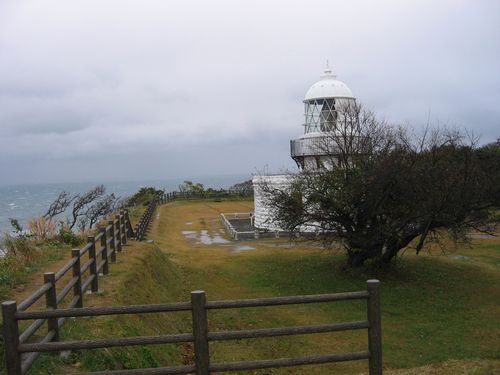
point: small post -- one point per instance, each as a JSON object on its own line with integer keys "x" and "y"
{"x": 104, "y": 245}
{"x": 200, "y": 332}
{"x": 51, "y": 302}
{"x": 94, "y": 285}
{"x": 375, "y": 330}
{"x": 123, "y": 229}
{"x": 130, "y": 231}
{"x": 77, "y": 289}
{"x": 112, "y": 244}
{"x": 137, "y": 231}
{"x": 11, "y": 338}
{"x": 118, "y": 233}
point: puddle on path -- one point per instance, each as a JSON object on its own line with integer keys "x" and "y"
{"x": 188, "y": 223}
{"x": 204, "y": 237}
{"x": 215, "y": 238}
{"x": 481, "y": 236}
{"x": 191, "y": 234}
{"x": 240, "y": 248}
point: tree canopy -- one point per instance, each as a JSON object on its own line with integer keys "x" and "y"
{"x": 405, "y": 191}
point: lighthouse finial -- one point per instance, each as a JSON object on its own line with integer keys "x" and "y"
{"x": 328, "y": 71}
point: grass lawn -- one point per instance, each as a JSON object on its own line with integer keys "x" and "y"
{"x": 440, "y": 314}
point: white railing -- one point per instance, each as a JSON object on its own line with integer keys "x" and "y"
{"x": 236, "y": 216}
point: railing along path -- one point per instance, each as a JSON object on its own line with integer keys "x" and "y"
{"x": 200, "y": 335}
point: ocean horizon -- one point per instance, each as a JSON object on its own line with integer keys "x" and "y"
{"x": 25, "y": 201}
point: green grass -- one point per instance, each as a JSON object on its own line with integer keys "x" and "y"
{"x": 149, "y": 279}
{"x": 14, "y": 272}
{"x": 431, "y": 310}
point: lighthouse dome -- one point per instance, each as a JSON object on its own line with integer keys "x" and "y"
{"x": 328, "y": 87}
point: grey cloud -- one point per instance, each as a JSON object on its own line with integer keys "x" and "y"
{"x": 174, "y": 88}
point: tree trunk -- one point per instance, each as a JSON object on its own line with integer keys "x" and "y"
{"x": 357, "y": 257}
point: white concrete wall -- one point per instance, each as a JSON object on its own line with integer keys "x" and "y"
{"x": 262, "y": 212}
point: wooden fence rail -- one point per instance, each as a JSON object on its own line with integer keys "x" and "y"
{"x": 86, "y": 264}
{"x": 200, "y": 335}
{"x": 142, "y": 226}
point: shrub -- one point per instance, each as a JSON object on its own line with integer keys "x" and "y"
{"x": 144, "y": 196}
{"x": 41, "y": 229}
{"x": 20, "y": 248}
{"x": 66, "y": 236}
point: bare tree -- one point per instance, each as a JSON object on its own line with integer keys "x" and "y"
{"x": 60, "y": 204}
{"x": 97, "y": 211}
{"x": 87, "y": 209}
{"x": 81, "y": 203}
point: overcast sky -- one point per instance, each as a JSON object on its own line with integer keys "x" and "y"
{"x": 122, "y": 90}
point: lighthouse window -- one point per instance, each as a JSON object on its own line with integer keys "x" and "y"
{"x": 328, "y": 115}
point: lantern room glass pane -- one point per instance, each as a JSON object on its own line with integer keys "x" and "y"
{"x": 320, "y": 115}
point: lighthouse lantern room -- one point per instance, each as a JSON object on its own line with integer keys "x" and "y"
{"x": 323, "y": 104}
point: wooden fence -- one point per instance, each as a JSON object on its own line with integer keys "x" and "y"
{"x": 101, "y": 250}
{"x": 201, "y": 336}
{"x": 142, "y": 226}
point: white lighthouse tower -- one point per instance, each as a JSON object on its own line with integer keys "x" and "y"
{"x": 317, "y": 147}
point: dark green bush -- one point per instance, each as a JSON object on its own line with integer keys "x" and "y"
{"x": 144, "y": 196}
{"x": 67, "y": 237}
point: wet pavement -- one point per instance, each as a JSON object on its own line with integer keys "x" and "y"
{"x": 205, "y": 237}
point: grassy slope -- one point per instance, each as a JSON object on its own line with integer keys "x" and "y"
{"x": 434, "y": 308}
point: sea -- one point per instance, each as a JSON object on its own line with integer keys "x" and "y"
{"x": 25, "y": 201}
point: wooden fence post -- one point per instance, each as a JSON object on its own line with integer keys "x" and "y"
{"x": 137, "y": 233}
{"x": 118, "y": 233}
{"x": 375, "y": 330}
{"x": 200, "y": 332}
{"x": 51, "y": 303}
{"x": 123, "y": 227}
{"x": 104, "y": 245}
{"x": 77, "y": 289}
{"x": 94, "y": 285}
{"x": 11, "y": 338}
{"x": 130, "y": 231}
{"x": 112, "y": 243}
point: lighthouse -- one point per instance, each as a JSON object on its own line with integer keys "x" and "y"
{"x": 320, "y": 144}
{"x": 324, "y": 104}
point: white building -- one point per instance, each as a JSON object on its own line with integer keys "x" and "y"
{"x": 316, "y": 147}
